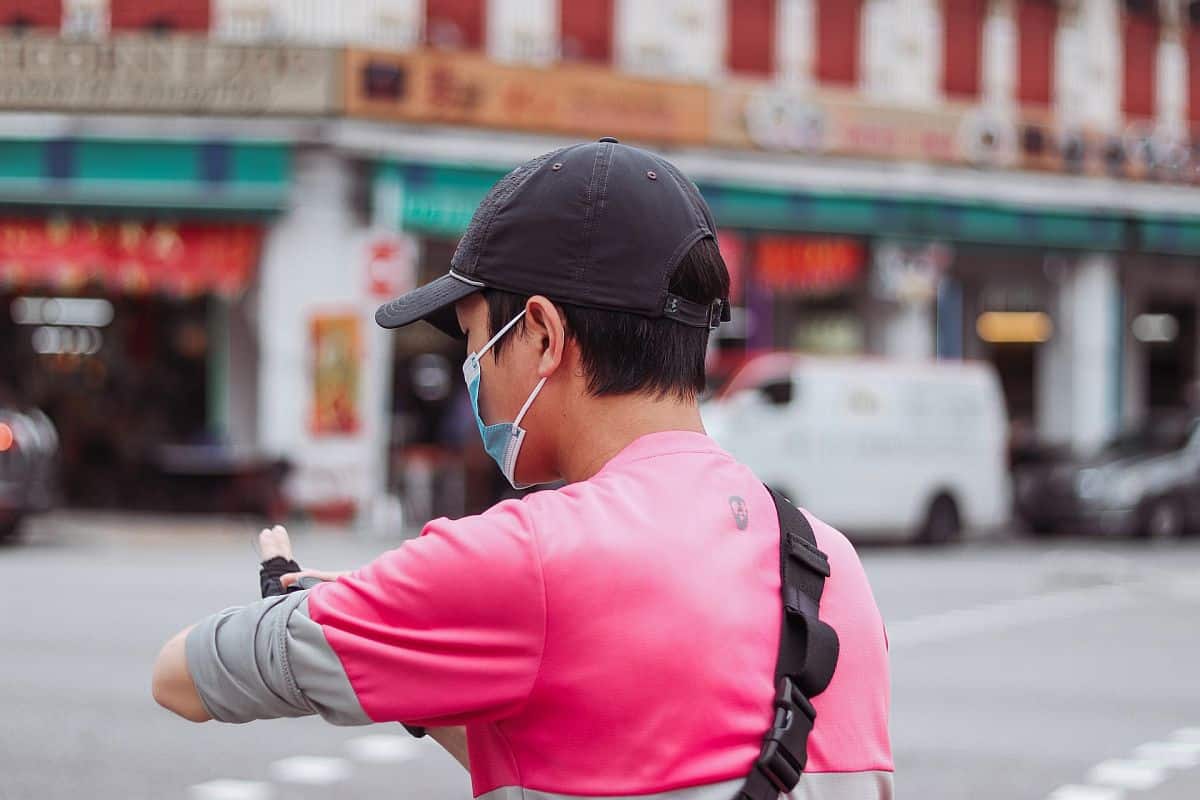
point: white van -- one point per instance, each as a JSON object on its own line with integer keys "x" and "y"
{"x": 878, "y": 449}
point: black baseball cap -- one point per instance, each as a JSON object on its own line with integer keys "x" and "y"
{"x": 600, "y": 225}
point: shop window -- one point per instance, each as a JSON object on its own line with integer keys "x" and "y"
{"x": 1167, "y": 329}
{"x": 1140, "y": 37}
{"x": 962, "y": 31}
{"x": 161, "y": 16}
{"x": 751, "y": 31}
{"x": 22, "y": 15}
{"x": 455, "y": 24}
{"x": 838, "y": 32}
{"x": 1037, "y": 21}
{"x": 586, "y": 30}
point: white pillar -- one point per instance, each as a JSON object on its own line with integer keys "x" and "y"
{"x": 1087, "y": 64}
{"x": 795, "y": 42}
{"x": 907, "y": 331}
{"x": 902, "y": 52}
{"x": 904, "y": 278}
{"x": 998, "y": 66}
{"x": 1171, "y": 88}
{"x": 523, "y": 31}
{"x": 312, "y": 266}
{"x": 670, "y": 38}
{"x": 1077, "y": 369}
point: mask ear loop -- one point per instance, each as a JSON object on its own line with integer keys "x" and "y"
{"x": 500, "y": 333}
{"x": 529, "y": 401}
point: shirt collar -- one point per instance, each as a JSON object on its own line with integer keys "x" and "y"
{"x": 662, "y": 443}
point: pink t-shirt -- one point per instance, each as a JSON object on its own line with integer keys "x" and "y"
{"x": 617, "y": 636}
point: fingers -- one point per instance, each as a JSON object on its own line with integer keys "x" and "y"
{"x": 273, "y": 542}
{"x": 320, "y": 574}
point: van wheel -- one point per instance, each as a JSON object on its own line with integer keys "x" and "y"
{"x": 942, "y": 523}
{"x": 1041, "y": 528}
{"x": 1162, "y": 519}
{"x": 9, "y": 528}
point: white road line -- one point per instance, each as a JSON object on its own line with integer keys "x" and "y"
{"x": 1128, "y": 774}
{"x": 230, "y": 790}
{"x": 1174, "y": 755}
{"x": 313, "y": 770}
{"x": 384, "y": 749}
{"x": 1008, "y": 614}
{"x": 1077, "y": 792}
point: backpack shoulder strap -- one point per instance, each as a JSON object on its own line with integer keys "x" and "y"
{"x": 808, "y": 652}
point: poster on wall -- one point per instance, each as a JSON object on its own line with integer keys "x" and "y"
{"x": 336, "y": 374}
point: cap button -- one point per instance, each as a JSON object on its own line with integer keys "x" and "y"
{"x": 609, "y": 139}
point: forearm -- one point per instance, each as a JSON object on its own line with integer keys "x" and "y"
{"x": 172, "y": 684}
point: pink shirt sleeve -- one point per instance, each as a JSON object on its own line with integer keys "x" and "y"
{"x": 446, "y": 629}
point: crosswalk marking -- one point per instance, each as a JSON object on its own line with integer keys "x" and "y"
{"x": 383, "y": 749}
{"x": 1186, "y": 735}
{"x": 1078, "y": 792}
{"x": 1128, "y": 774}
{"x": 1176, "y": 755}
{"x": 312, "y": 770}
{"x": 230, "y": 790}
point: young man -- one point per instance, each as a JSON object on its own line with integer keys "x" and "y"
{"x": 616, "y": 637}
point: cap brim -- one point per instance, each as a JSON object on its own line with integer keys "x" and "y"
{"x": 432, "y": 303}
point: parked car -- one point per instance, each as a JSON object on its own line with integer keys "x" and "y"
{"x": 876, "y": 448}
{"x": 1144, "y": 482}
{"x": 28, "y": 466}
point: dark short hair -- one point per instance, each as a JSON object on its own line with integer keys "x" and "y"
{"x": 627, "y": 353}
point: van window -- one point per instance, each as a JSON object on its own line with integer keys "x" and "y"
{"x": 778, "y": 392}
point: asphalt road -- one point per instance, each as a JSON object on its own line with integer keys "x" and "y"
{"x": 1067, "y": 669}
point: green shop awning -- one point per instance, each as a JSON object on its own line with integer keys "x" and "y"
{"x": 224, "y": 176}
{"x": 439, "y": 200}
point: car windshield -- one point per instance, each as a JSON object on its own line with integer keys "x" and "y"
{"x": 1164, "y": 434}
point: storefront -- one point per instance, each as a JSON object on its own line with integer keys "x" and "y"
{"x": 1161, "y": 295}
{"x": 118, "y": 331}
{"x": 999, "y": 304}
{"x": 125, "y": 313}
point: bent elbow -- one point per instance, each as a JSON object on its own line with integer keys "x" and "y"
{"x": 172, "y": 687}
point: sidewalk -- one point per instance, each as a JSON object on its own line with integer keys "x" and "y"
{"x": 75, "y": 528}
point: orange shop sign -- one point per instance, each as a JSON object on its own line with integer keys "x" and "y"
{"x": 809, "y": 264}
{"x": 579, "y": 100}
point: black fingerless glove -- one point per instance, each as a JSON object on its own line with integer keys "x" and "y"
{"x": 272, "y": 570}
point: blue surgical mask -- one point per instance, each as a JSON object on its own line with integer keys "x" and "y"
{"x": 503, "y": 439}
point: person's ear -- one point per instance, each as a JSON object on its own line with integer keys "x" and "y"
{"x": 545, "y": 325}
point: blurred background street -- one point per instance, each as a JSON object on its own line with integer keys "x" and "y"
{"x": 964, "y": 246}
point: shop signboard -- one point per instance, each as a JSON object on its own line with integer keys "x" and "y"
{"x": 749, "y": 115}
{"x": 578, "y": 100}
{"x": 391, "y": 263}
{"x": 135, "y": 256}
{"x": 758, "y": 116}
{"x": 808, "y": 265}
{"x": 171, "y": 74}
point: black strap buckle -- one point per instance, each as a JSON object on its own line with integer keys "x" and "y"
{"x": 784, "y": 754}
{"x": 697, "y": 315}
